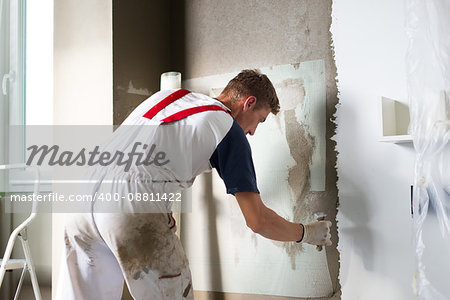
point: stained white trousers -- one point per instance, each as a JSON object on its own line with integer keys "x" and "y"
{"x": 103, "y": 249}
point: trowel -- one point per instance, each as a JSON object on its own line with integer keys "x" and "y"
{"x": 320, "y": 216}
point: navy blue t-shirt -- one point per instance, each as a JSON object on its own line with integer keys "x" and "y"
{"x": 233, "y": 161}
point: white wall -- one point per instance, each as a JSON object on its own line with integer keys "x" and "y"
{"x": 377, "y": 255}
{"x": 39, "y": 63}
{"x": 82, "y": 77}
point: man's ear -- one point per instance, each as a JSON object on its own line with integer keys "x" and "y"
{"x": 250, "y": 102}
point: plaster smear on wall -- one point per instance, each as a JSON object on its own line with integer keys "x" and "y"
{"x": 289, "y": 156}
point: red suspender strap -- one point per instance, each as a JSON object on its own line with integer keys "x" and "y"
{"x": 190, "y": 111}
{"x": 181, "y": 114}
{"x": 164, "y": 102}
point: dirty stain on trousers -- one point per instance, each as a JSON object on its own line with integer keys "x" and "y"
{"x": 101, "y": 250}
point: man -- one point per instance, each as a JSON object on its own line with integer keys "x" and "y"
{"x": 119, "y": 241}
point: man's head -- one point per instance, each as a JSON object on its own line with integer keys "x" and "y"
{"x": 251, "y": 97}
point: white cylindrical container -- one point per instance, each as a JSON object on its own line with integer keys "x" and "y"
{"x": 170, "y": 80}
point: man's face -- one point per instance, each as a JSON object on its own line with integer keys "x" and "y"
{"x": 248, "y": 117}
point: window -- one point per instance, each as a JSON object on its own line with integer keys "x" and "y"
{"x": 12, "y": 75}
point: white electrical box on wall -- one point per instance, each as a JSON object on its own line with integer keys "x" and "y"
{"x": 395, "y": 121}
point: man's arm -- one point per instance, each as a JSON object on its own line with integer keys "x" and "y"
{"x": 266, "y": 222}
{"x": 269, "y": 224}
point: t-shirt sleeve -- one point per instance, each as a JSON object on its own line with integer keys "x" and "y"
{"x": 233, "y": 161}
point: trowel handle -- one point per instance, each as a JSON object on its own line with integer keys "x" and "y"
{"x": 320, "y": 218}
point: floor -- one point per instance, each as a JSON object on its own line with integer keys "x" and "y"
{"x": 27, "y": 293}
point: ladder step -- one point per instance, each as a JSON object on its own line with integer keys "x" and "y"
{"x": 13, "y": 264}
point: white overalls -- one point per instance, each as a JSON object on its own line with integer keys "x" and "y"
{"x": 136, "y": 241}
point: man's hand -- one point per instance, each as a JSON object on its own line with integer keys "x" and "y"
{"x": 317, "y": 233}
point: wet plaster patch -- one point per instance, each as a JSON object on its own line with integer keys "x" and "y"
{"x": 301, "y": 147}
{"x": 291, "y": 92}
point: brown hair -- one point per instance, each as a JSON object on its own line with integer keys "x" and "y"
{"x": 253, "y": 83}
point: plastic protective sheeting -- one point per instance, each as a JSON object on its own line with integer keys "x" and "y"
{"x": 428, "y": 67}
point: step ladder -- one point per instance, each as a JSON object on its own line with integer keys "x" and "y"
{"x": 26, "y": 264}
